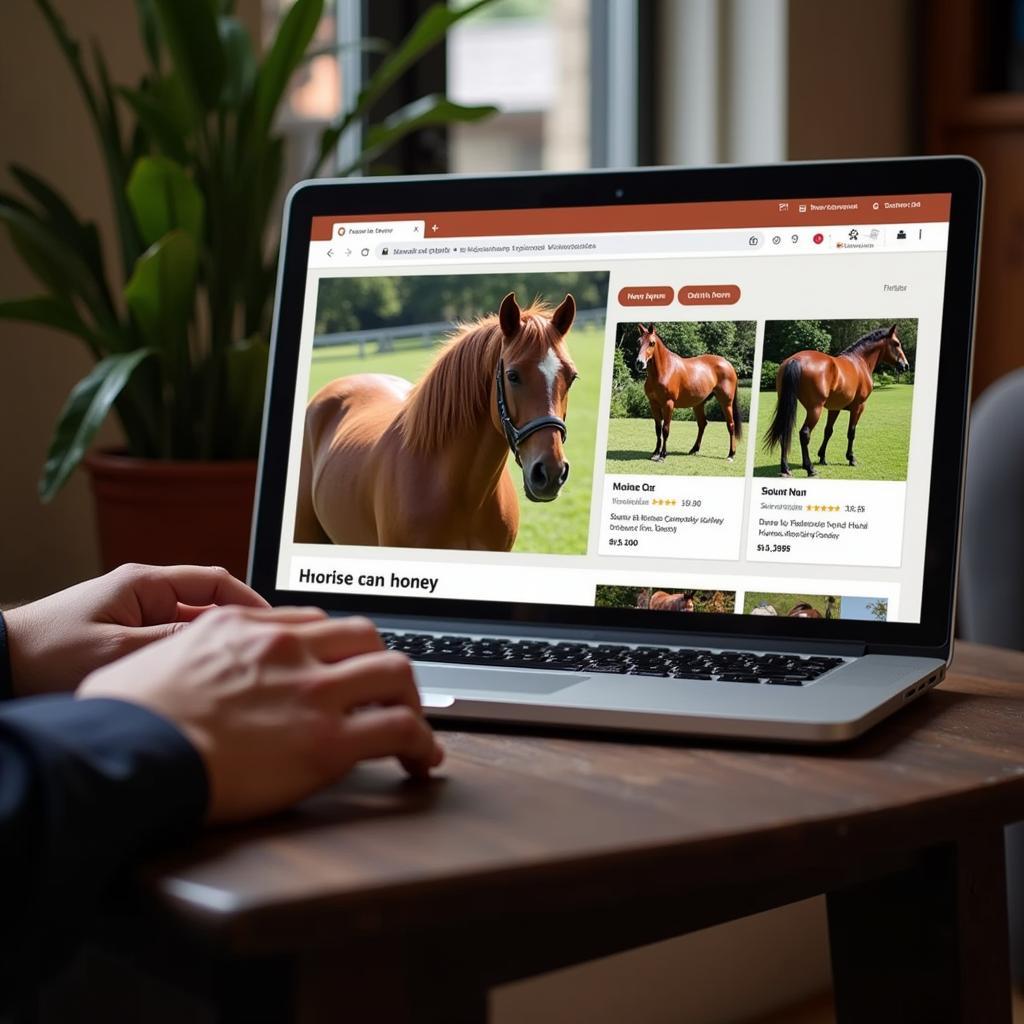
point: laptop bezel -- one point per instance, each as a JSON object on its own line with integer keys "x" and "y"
{"x": 959, "y": 176}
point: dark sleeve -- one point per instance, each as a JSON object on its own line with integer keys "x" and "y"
{"x": 86, "y": 787}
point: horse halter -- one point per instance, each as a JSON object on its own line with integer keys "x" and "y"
{"x": 517, "y": 435}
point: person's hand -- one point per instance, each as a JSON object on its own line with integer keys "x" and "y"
{"x": 278, "y": 702}
{"x": 56, "y": 642}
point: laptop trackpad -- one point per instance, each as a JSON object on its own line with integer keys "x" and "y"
{"x": 470, "y": 677}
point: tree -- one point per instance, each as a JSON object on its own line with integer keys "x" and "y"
{"x": 879, "y": 608}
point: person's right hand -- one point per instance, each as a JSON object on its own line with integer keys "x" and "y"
{"x": 278, "y": 702}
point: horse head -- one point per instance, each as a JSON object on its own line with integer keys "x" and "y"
{"x": 892, "y": 351}
{"x": 538, "y": 372}
{"x": 648, "y": 343}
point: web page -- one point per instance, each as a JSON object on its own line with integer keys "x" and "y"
{"x": 703, "y": 407}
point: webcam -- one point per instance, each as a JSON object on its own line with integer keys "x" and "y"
{"x": 619, "y": 193}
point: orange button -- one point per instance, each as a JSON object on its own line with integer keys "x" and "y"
{"x": 709, "y": 294}
{"x": 641, "y": 295}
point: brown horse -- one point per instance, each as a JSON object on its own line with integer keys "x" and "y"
{"x": 803, "y": 610}
{"x": 388, "y": 463}
{"x": 664, "y": 602}
{"x": 820, "y": 381}
{"x": 673, "y": 382}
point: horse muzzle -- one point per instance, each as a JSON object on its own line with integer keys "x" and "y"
{"x": 903, "y": 367}
{"x": 640, "y": 366}
{"x": 543, "y": 478}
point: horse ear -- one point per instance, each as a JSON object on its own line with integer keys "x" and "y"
{"x": 892, "y": 331}
{"x": 563, "y": 317}
{"x": 510, "y": 316}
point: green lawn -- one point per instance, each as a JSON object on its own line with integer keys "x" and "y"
{"x": 557, "y": 527}
{"x": 881, "y": 445}
{"x": 782, "y": 603}
{"x": 630, "y": 443}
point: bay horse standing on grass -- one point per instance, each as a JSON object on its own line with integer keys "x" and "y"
{"x": 388, "y": 463}
{"x": 665, "y": 602}
{"x": 674, "y": 382}
{"x": 834, "y": 383}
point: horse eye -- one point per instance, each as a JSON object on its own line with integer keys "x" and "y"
{"x": 513, "y": 376}
{"x": 572, "y": 380}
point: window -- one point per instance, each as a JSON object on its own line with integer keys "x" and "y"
{"x": 531, "y": 59}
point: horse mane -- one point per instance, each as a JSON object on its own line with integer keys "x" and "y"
{"x": 865, "y": 340}
{"x": 455, "y": 393}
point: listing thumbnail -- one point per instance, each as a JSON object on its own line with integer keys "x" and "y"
{"x": 668, "y": 599}
{"x": 816, "y": 606}
{"x": 453, "y": 411}
{"x": 680, "y": 392}
{"x": 819, "y": 375}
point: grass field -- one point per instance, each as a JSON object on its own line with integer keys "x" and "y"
{"x": 630, "y": 443}
{"x": 782, "y": 603}
{"x": 881, "y": 445}
{"x": 557, "y": 527}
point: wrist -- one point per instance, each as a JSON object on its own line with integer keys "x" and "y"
{"x": 19, "y": 651}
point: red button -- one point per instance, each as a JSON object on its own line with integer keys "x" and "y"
{"x": 644, "y": 295}
{"x": 709, "y": 294}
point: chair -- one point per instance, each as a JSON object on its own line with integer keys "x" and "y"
{"x": 991, "y": 604}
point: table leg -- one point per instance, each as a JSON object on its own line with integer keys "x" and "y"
{"x": 927, "y": 944}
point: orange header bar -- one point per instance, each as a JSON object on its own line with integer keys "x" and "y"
{"x": 664, "y": 216}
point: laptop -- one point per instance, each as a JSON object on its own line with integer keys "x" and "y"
{"x": 670, "y": 450}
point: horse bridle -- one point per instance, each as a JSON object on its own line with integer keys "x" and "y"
{"x": 517, "y": 435}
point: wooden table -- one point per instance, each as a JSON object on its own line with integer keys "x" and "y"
{"x": 388, "y": 901}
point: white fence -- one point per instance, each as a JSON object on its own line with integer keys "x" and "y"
{"x": 362, "y": 342}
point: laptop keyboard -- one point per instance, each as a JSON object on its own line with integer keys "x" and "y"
{"x": 616, "y": 659}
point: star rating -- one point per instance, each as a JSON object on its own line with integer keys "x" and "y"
{"x": 822, "y": 508}
{"x": 664, "y": 501}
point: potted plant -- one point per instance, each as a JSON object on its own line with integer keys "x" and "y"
{"x": 180, "y": 337}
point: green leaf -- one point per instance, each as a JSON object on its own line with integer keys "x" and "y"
{"x": 190, "y": 32}
{"x": 161, "y": 293}
{"x": 149, "y": 28}
{"x": 83, "y": 414}
{"x": 163, "y": 197}
{"x": 285, "y": 55}
{"x": 426, "y": 112}
{"x": 55, "y": 263}
{"x": 50, "y": 311}
{"x": 431, "y": 29}
{"x": 83, "y": 238}
{"x": 239, "y": 62}
{"x": 155, "y": 118}
{"x": 246, "y": 386}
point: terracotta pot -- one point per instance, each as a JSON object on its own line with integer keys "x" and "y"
{"x": 166, "y": 513}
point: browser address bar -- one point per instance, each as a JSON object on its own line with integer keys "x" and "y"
{"x": 611, "y": 244}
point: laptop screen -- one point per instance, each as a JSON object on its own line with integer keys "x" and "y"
{"x": 723, "y": 407}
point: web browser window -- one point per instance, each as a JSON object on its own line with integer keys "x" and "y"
{"x": 703, "y": 407}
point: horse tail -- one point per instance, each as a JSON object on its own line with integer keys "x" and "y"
{"x": 780, "y": 430}
{"x": 737, "y": 415}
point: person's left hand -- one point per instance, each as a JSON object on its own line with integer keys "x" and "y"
{"x": 54, "y": 643}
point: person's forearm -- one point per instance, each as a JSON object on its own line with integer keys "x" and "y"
{"x": 86, "y": 786}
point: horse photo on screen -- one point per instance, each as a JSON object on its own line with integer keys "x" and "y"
{"x": 391, "y": 463}
{"x": 832, "y": 384}
{"x": 673, "y": 382}
{"x": 693, "y": 379}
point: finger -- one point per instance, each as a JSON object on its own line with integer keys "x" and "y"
{"x": 160, "y": 588}
{"x": 381, "y": 678}
{"x": 337, "y": 639}
{"x": 392, "y": 732}
{"x": 191, "y": 612}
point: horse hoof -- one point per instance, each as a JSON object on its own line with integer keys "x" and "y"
{"x": 810, "y": 471}
{"x": 729, "y": 458}
{"x": 785, "y": 472}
